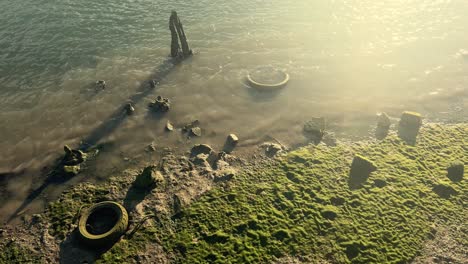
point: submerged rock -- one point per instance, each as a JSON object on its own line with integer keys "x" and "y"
{"x": 314, "y": 129}
{"x": 152, "y": 83}
{"x": 408, "y": 127}
{"x": 101, "y": 84}
{"x": 73, "y": 156}
{"x": 190, "y": 125}
{"x": 455, "y": 171}
{"x": 160, "y": 104}
{"x": 129, "y": 109}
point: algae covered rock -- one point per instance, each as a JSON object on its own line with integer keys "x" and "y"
{"x": 361, "y": 168}
{"x": 314, "y": 129}
{"x": 383, "y": 125}
{"x": 149, "y": 178}
{"x": 408, "y": 127}
{"x": 455, "y": 171}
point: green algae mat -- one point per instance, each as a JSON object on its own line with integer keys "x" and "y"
{"x": 304, "y": 205}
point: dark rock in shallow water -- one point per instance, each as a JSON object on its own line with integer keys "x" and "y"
{"x": 408, "y": 127}
{"x": 101, "y": 84}
{"x": 152, "y": 83}
{"x": 190, "y": 125}
{"x": 361, "y": 168}
{"x": 129, "y": 109}
{"x": 383, "y": 126}
{"x": 455, "y": 171}
{"x": 160, "y": 104}
{"x": 314, "y": 129}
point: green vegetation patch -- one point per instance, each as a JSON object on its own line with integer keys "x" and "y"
{"x": 11, "y": 252}
{"x": 304, "y": 205}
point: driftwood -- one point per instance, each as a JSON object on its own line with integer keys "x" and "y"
{"x": 177, "y": 33}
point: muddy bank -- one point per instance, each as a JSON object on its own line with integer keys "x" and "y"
{"x": 276, "y": 206}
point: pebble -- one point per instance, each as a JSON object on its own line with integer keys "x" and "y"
{"x": 169, "y": 126}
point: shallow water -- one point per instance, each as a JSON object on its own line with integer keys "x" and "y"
{"x": 348, "y": 60}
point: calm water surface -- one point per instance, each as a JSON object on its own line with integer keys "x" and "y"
{"x": 348, "y": 60}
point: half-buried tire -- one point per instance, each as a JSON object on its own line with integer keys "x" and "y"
{"x": 103, "y": 224}
{"x": 267, "y": 78}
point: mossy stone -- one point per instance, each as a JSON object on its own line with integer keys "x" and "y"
{"x": 361, "y": 168}
{"x": 455, "y": 171}
{"x": 408, "y": 127}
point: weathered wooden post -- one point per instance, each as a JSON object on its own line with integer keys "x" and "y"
{"x": 177, "y": 33}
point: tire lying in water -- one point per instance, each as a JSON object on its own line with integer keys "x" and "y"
{"x": 103, "y": 224}
{"x": 267, "y": 78}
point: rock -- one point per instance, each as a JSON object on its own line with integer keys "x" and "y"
{"x": 383, "y": 126}
{"x": 221, "y": 164}
{"x": 129, "y": 109}
{"x": 160, "y": 104}
{"x": 169, "y": 126}
{"x": 225, "y": 175}
{"x": 314, "y": 129}
{"x": 329, "y": 139}
{"x": 201, "y": 160}
{"x": 272, "y": 149}
{"x": 151, "y": 147}
{"x": 190, "y": 125}
{"x": 361, "y": 168}
{"x": 73, "y": 157}
{"x": 148, "y": 178}
{"x": 200, "y": 149}
{"x": 408, "y": 127}
{"x": 231, "y": 143}
{"x": 177, "y": 204}
{"x": 152, "y": 83}
{"x": 71, "y": 170}
{"x": 196, "y": 131}
{"x": 101, "y": 84}
{"x": 455, "y": 171}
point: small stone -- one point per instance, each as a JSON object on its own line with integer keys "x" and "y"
{"x": 455, "y": 171}
{"x": 101, "y": 84}
{"x": 169, "y": 126}
{"x": 152, "y": 83}
{"x": 201, "y": 149}
{"x": 177, "y": 204}
{"x": 161, "y": 104}
{"x": 231, "y": 143}
{"x": 71, "y": 170}
{"x": 196, "y": 131}
{"x": 129, "y": 109}
{"x": 151, "y": 147}
{"x": 190, "y": 125}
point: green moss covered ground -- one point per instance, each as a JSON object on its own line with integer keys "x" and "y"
{"x": 304, "y": 205}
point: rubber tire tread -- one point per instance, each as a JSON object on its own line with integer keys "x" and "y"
{"x": 112, "y": 235}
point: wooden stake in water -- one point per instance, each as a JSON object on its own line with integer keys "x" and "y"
{"x": 177, "y": 33}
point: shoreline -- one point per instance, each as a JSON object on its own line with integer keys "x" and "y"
{"x": 194, "y": 186}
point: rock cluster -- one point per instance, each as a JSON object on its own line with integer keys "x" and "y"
{"x": 161, "y": 104}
